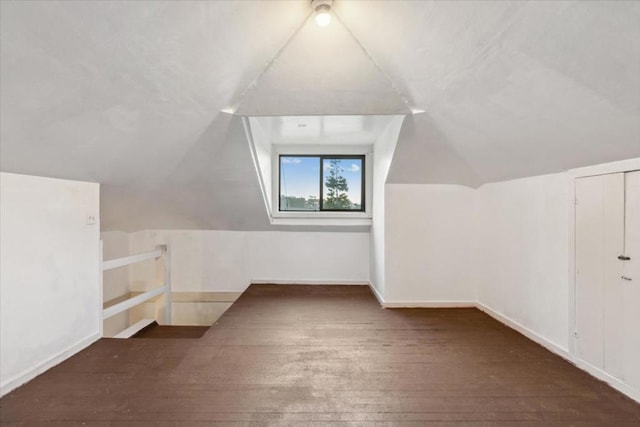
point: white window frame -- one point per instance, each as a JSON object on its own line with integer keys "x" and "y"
{"x": 317, "y": 217}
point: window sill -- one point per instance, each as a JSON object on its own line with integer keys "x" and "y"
{"x": 321, "y": 220}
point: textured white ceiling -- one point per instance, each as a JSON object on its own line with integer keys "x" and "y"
{"x": 128, "y": 93}
{"x": 327, "y": 130}
{"x": 322, "y": 70}
{"x": 512, "y": 88}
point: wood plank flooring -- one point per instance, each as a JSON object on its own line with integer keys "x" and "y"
{"x": 162, "y": 331}
{"x": 322, "y": 355}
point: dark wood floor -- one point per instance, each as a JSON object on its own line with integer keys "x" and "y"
{"x": 321, "y": 355}
{"x": 161, "y": 331}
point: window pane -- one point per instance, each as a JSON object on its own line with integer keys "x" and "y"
{"x": 299, "y": 183}
{"x": 342, "y": 184}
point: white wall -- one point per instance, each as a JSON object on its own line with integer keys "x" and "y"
{"x": 115, "y": 282}
{"x": 522, "y": 260}
{"x": 50, "y": 283}
{"x": 429, "y": 242}
{"x": 383, "y": 152}
{"x": 322, "y": 257}
{"x": 201, "y": 260}
{"x": 261, "y": 153}
{"x": 210, "y": 260}
{"x": 505, "y": 245}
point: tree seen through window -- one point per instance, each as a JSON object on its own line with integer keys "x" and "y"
{"x": 322, "y": 183}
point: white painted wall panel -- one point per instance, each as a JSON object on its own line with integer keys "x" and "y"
{"x": 115, "y": 282}
{"x": 201, "y": 260}
{"x": 612, "y": 286}
{"x": 262, "y": 158}
{"x": 207, "y": 260}
{"x": 590, "y": 269}
{"x": 304, "y": 257}
{"x": 429, "y": 242}
{"x": 631, "y": 288}
{"x": 521, "y": 261}
{"x": 384, "y": 149}
{"x": 607, "y": 313}
{"x": 50, "y": 283}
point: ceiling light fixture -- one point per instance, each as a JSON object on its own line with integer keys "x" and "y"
{"x": 323, "y": 11}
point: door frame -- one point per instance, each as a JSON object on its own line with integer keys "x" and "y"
{"x": 623, "y": 166}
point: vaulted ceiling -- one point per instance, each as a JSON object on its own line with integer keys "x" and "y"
{"x": 129, "y": 94}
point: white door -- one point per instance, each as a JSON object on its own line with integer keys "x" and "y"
{"x": 599, "y": 290}
{"x": 631, "y": 281}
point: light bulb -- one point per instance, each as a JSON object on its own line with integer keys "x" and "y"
{"x": 323, "y": 15}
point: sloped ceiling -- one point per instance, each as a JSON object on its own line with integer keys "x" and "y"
{"x": 513, "y": 89}
{"x": 323, "y": 130}
{"x": 322, "y": 70}
{"x": 129, "y": 94}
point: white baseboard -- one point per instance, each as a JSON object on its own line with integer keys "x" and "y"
{"x": 420, "y": 304}
{"x": 22, "y": 378}
{"x": 377, "y": 295}
{"x": 549, "y": 345}
{"x": 564, "y": 353}
{"x": 134, "y": 329}
{"x": 533, "y": 336}
{"x": 307, "y": 282}
{"x": 29, "y": 374}
{"x": 429, "y": 304}
{"x": 612, "y": 381}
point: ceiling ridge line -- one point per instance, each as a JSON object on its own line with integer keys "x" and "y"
{"x": 266, "y": 68}
{"x": 404, "y": 98}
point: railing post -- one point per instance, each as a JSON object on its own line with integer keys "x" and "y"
{"x": 167, "y": 284}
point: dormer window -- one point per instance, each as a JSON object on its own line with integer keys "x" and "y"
{"x": 319, "y": 170}
{"x": 321, "y": 183}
